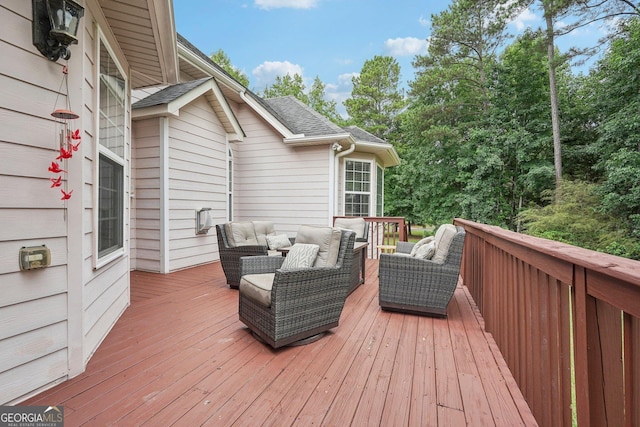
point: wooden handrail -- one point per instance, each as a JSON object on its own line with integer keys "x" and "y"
{"x": 383, "y": 230}
{"x": 556, "y": 310}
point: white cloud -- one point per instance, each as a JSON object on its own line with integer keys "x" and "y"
{"x": 525, "y": 19}
{"x": 424, "y": 22}
{"x": 267, "y": 72}
{"x": 407, "y": 46}
{"x": 294, "y": 4}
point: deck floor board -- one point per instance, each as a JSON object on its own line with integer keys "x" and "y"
{"x": 180, "y": 356}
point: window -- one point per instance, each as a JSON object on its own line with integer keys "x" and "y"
{"x": 357, "y": 193}
{"x": 380, "y": 192}
{"x": 111, "y": 136}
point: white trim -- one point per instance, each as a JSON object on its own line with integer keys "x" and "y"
{"x": 275, "y": 123}
{"x": 229, "y": 188}
{"x": 164, "y": 196}
{"x": 98, "y": 261}
{"x": 302, "y": 140}
{"x": 372, "y": 184}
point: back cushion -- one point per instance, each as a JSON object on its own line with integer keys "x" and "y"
{"x": 327, "y": 239}
{"x": 443, "y": 239}
{"x": 262, "y": 230}
{"x": 241, "y": 233}
{"x": 354, "y": 224}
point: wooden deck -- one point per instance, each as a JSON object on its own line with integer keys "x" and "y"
{"x": 180, "y": 356}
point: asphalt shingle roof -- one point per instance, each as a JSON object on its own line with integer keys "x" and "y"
{"x": 302, "y": 119}
{"x": 168, "y": 94}
{"x": 363, "y": 135}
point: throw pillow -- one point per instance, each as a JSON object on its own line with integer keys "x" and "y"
{"x": 278, "y": 241}
{"x": 426, "y": 251}
{"x": 301, "y": 255}
{"x": 420, "y": 244}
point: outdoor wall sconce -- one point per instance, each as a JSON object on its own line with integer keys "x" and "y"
{"x": 55, "y": 27}
{"x": 203, "y": 221}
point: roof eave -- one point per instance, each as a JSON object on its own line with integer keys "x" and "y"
{"x": 302, "y": 140}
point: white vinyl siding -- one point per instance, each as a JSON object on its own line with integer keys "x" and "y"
{"x": 180, "y": 167}
{"x": 33, "y": 304}
{"x": 284, "y": 184}
{"x": 197, "y": 179}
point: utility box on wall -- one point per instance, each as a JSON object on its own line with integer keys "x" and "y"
{"x": 34, "y": 257}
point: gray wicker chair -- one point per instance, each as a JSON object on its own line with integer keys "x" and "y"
{"x": 305, "y": 303}
{"x": 420, "y": 286}
{"x": 230, "y": 256}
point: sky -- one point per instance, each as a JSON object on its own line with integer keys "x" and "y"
{"x": 330, "y": 39}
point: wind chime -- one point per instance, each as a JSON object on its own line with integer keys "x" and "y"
{"x": 67, "y": 139}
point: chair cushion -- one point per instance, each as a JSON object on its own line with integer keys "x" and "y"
{"x": 301, "y": 255}
{"x": 278, "y": 241}
{"x": 258, "y": 287}
{"x": 263, "y": 229}
{"x": 421, "y": 243}
{"x": 354, "y": 224}
{"x": 443, "y": 239}
{"x": 328, "y": 240}
{"x": 426, "y": 251}
{"x": 241, "y": 233}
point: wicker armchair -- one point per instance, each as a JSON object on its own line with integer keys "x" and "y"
{"x": 420, "y": 286}
{"x": 230, "y": 256}
{"x": 304, "y": 303}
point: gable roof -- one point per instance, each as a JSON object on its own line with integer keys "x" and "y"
{"x": 169, "y": 101}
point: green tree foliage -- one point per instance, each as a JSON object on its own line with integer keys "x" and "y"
{"x": 221, "y": 58}
{"x": 319, "y": 102}
{"x": 315, "y": 98}
{"x": 573, "y": 216}
{"x": 285, "y": 86}
{"x": 376, "y": 98}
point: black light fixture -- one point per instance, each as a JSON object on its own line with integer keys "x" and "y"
{"x": 55, "y": 26}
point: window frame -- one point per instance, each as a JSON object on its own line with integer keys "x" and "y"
{"x": 370, "y": 193}
{"x": 101, "y": 260}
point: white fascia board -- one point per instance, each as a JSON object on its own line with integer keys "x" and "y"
{"x": 164, "y": 30}
{"x": 301, "y": 140}
{"x": 385, "y": 151}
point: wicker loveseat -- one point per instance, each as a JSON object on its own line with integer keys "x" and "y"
{"x": 245, "y": 238}
{"x": 422, "y": 279}
{"x": 298, "y": 304}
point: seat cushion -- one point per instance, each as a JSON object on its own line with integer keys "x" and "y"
{"x": 443, "y": 239}
{"x": 328, "y": 241}
{"x": 258, "y": 287}
{"x": 263, "y": 229}
{"x": 354, "y": 224}
{"x": 301, "y": 255}
{"x": 241, "y": 233}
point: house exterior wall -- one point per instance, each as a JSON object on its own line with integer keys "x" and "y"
{"x": 145, "y": 231}
{"x": 273, "y": 181}
{"x": 197, "y": 179}
{"x": 51, "y": 319}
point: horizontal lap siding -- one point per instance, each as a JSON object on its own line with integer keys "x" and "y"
{"x": 146, "y": 215}
{"x": 273, "y": 181}
{"x": 197, "y": 179}
{"x": 33, "y": 304}
{"x": 105, "y": 293}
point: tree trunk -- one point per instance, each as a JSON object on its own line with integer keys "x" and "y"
{"x": 553, "y": 92}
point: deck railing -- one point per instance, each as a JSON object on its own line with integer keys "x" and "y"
{"x": 383, "y": 231}
{"x": 567, "y": 321}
